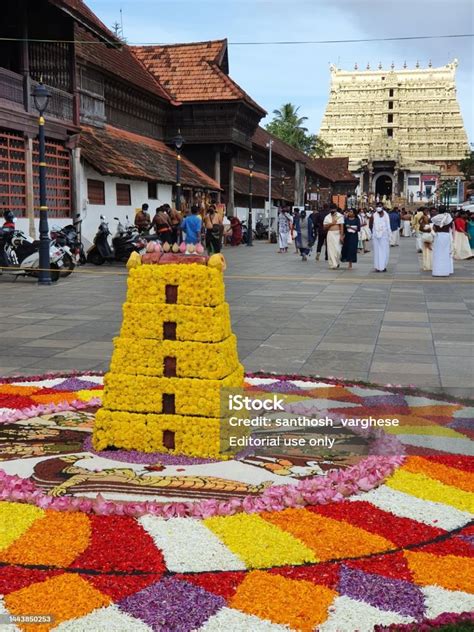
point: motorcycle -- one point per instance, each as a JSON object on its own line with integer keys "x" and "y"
{"x": 245, "y": 233}
{"x": 126, "y": 240}
{"x": 19, "y": 255}
{"x": 64, "y": 239}
{"x": 70, "y": 236}
{"x": 261, "y": 230}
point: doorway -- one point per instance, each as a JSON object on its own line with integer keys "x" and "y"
{"x": 384, "y": 185}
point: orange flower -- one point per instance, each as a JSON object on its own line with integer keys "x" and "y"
{"x": 296, "y": 603}
{"x": 56, "y": 540}
{"x": 64, "y": 597}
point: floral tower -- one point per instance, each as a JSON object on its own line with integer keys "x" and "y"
{"x": 174, "y": 353}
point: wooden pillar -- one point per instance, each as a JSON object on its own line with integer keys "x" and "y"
{"x": 25, "y": 61}
{"x": 299, "y": 183}
{"x": 230, "y": 192}
{"x": 76, "y": 173}
{"x": 217, "y": 171}
{"x": 30, "y": 197}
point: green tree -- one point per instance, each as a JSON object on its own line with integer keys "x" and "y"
{"x": 289, "y": 127}
{"x": 467, "y": 166}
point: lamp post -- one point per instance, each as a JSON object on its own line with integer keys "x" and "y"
{"x": 41, "y": 98}
{"x": 310, "y": 186}
{"x": 269, "y": 145}
{"x": 178, "y": 144}
{"x": 282, "y": 176}
{"x": 317, "y": 194}
{"x": 250, "y": 222}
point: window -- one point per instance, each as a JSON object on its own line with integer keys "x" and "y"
{"x": 153, "y": 190}
{"x": 123, "y": 195}
{"x": 413, "y": 182}
{"x": 390, "y": 92}
{"x": 390, "y": 105}
{"x": 96, "y": 191}
{"x": 390, "y": 118}
{"x": 390, "y": 132}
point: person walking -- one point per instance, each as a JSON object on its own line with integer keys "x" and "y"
{"x": 442, "y": 246}
{"x": 365, "y": 235}
{"x": 406, "y": 224}
{"x": 191, "y": 226}
{"x": 351, "y": 238}
{"x": 318, "y": 223}
{"x": 162, "y": 225}
{"x": 426, "y": 231}
{"x": 395, "y": 224}
{"x": 415, "y": 223}
{"x": 334, "y": 225}
{"x": 470, "y": 231}
{"x": 462, "y": 248}
{"x": 304, "y": 234}
{"x": 381, "y": 238}
{"x": 284, "y": 228}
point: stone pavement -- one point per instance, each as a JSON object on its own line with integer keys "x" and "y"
{"x": 401, "y": 327}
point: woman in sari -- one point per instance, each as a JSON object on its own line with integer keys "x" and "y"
{"x": 426, "y": 232}
{"x": 442, "y": 247}
{"x": 351, "y": 238}
{"x": 470, "y": 231}
{"x": 284, "y": 228}
{"x": 334, "y": 225}
{"x": 462, "y": 249}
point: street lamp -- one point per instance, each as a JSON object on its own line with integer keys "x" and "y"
{"x": 178, "y": 144}
{"x": 250, "y": 227}
{"x": 282, "y": 176}
{"x": 41, "y": 98}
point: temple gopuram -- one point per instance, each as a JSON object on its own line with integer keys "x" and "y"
{"x": 402, "y": 129}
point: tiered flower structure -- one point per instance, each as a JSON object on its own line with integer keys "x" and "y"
{"x": 175, "y": 353}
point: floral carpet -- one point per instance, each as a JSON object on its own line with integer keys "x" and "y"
{"x": 380, "y": 541}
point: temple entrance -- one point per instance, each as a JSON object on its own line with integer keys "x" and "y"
{"x": 384, "y": 185}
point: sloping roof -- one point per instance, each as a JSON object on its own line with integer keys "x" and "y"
{"x": 194, "y": 72}
{"x": 115, "y": 152}
{"x": 260, "y": 185}
{"x": 337, "y": 169}
{"x": 120, "y": 62}
{"x": 78, "y": 10}
{"x": 333, "y": 169}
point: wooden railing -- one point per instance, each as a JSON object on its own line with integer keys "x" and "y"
{"x": 11, "y": 86}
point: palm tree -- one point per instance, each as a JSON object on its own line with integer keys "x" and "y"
{"x": 288, "y": 116}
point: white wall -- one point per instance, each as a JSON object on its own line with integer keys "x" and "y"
{"x": 90, "y": 213}
{"x": 139, "y": 195}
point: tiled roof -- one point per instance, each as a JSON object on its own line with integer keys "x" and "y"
{"x": 260, "y": 185}
{"x": 81, "y": 13}
{"x": 120, "y": 62}
{"x": 333, "y": 169}
{"x": 194, "y": 72}
{"x": 115, "y": 152}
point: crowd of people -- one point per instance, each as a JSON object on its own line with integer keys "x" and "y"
{"x": 440, "y": 236}
{"x": 192, "y": 227}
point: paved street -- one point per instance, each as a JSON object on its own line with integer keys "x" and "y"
{"x": 402, "y": 327}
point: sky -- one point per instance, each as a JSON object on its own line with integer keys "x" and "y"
{"x": 277, "y": 74}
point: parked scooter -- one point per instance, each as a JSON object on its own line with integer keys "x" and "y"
{"x": 19, "y": 255}
{"x": 100, "y": 251}
{"x": 126, "y": 240}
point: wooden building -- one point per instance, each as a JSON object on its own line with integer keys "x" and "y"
{"x": 96, "y": 83}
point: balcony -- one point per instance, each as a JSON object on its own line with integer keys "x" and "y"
{"x": 16, "y": 89}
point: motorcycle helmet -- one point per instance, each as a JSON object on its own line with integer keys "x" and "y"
{"x": 8, "y": 216}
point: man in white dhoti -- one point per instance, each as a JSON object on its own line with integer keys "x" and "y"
{"x": 395, "y": 223}
{"x": 334, "y": 225}
{"x": 381, "y": 233}
{"x": 442, "y": 245}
